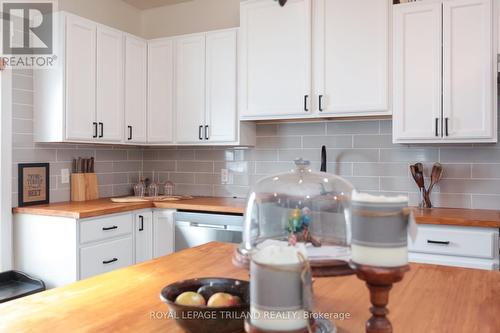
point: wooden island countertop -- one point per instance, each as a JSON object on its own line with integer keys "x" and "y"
{"x": 429, "y": 299}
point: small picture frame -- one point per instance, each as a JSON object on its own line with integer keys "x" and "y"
{"x": 33, "y": 181}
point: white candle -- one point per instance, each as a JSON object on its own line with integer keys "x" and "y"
{"x": 276, "y": 289}
{"x": 379, "y": 230}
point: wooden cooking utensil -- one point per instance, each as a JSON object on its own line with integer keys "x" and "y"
{"x": 436, "y": 175}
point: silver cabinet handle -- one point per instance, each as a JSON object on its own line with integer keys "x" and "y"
{"x": 209, "y": 226}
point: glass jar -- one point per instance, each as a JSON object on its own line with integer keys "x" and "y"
{"x": 140, "y": 188}
{"x": 168, "y": 188}
{"x": 153, "y": 189}
{"x": 301, "y": 206}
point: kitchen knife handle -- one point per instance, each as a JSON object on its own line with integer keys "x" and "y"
{"x": 320, "y": 103}
{"x": 94, "y": 124}
{"x": 101, "y": 128}
{"x": 129, "y": 133}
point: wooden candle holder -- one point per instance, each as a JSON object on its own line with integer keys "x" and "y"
{"x": 379, "y": 281}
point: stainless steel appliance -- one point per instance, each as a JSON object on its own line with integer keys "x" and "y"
{"x": 193, "y": 229}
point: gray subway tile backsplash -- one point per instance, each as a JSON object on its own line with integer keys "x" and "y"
{"x": 360, "y": 150}
{"x": 353, "y": 127}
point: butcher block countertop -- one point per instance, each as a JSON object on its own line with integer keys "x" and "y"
{"x": 85, "y": 209}
{"x": 459, "y": 217}
{"x": 429, "y": 299}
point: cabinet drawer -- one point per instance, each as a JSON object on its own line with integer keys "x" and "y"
{"x": 102, "y": 258}
{"x": 456, "y": 241}
{"x": 105, "y": 227}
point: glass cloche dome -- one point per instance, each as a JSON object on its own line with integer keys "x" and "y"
{"x": 301, "y": 206}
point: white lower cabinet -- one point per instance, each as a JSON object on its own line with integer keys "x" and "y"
{"x": 456, "y": 246}
{"x": 143, "y": 236}
{"x": 106, "y": 257}
{"x": 164, "y": 228}
{"x": 62, "y": 250}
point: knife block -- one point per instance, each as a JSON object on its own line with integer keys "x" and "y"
{"x": 84, "y": 187}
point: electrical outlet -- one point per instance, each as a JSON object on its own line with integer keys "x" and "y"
{"x": 224, "y": 176}
{"x": 65, "y": 176}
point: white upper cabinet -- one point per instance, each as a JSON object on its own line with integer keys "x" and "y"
{"x": 135, "y": 89}
{"x": 351, "y": 57}
{"x": 445, "y": 72}
{"x": 221, "y": 103}
{"x": 80, "y": 79}
{"x": 468, "y": 71}
{"x": 275, "y": 59}
{"x": 417, "y": 71}
{"x": 108, "y": 86}
{"x": 190, "y": 88}
{"x": 110, "y": 97}
{"x": 160, "y": 91}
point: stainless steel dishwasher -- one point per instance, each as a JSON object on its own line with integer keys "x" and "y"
{"x": 193, "y": 229}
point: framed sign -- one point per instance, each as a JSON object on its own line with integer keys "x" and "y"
{"x": 33, "y": 180}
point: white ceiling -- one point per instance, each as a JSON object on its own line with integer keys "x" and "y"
{"x": 146, "y": 4}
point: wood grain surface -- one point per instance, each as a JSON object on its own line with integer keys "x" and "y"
{"x": 442, "y": 216}
{"x": 459, "y": 217}
{"x": 85, "y": 209}
{"x": 429, "y": 299}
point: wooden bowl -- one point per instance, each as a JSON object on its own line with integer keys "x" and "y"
{"x": 197, "y": 319}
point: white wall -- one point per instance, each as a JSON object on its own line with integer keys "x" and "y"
{"x": 114, "y": 13}
{"x": 5, "y": 170}
{"x": 190, "y": 17}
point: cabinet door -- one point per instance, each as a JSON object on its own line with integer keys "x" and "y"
{"x": 106, "y": 257}
{"x": 275, "y": 59}
{"x": 352, "y": 56}
{"x": 468, "y": 71}
{"x": 143, "y": 237}
{"x": 163, "y": 232}
{"x": 80, "y": 78}
{"x": 417, "y": 72}
{"x": 221, "y": 108}
{"x": 135, "y": 89}
{"x": 160, "y": 91}
{"x": 190, "y": 89}
{"x": 110, "y": 99}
